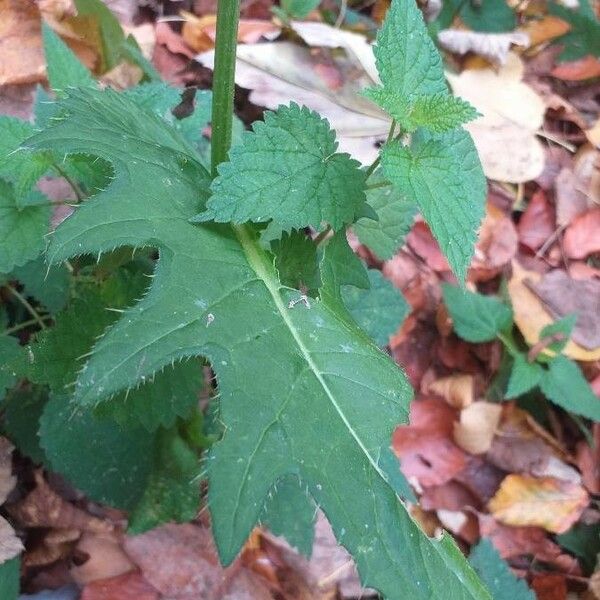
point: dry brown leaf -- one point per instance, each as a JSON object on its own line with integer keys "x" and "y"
{"x": 7, "y": 479}
{"x": 106, "y": 558}
{"x": 538, "y": 223}
{"x": 477, "y": 426}
{"x": 531, "y": 316}
{"x": 20, "y": 43}
{"x": 582, "y": 237}
{"x": 492, "y": 46}
{"x": 10, "y": 544}
{"x": 587, "y": 67}
{"x": 456, "y": 390}
{"x": 593, "y": 134}
{"x": 43, "y": 507}
{"x": 570, "y": 195}
{"x": 546, "y": 502}
{"x": 545, "y": 29}
{"x": 513, "y": 112}
{"x": 130, "y": 586}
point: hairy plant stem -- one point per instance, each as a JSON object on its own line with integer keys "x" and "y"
{"x": 376, "y": 162}
{"x": 72, "y": 183}
{"x": 25, "y": 324}
{"x": 228, "y": 15}
{"x": 36, "y": 316}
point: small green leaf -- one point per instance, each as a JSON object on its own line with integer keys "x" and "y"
{"x": 111, "y": 34}
{"x": 287, "y": 169}
{"x": 50, "y": 285}
{"x": 296, "y": 261}
{"x": 496, "y": 574}
{"x": 298, "y": 9}
{"x": 21, "y": 420}
{"x": 524, "y": 376}
{"x": 173, "y": 490}
{"x": 396, "y": 214}
{"x": 408, "y": 63}
{"x": 110, "y": 464}
{"x": 584, "y": 35}
{"x": 340, "y": 266}
{"x": 564, "y": 384}
{"x": 476, "y": 318}
{"x": 583, "y": 541}
{"x": 64, "y": 68}
{"x": 289, "y": 511}
{"x": 494, "y": 16}
{"x": 10, "y": 577}
{"x": 9, "y": 350}
{"x": 439, "y": 113}
{"x": 379, "y": 310}
{"x": 443, "y": 175}
{"x": 22, "y": 228}
{"x": 563, "y": 327}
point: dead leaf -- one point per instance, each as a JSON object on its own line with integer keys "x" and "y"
{"x": 43, "y": 507}
{"x": 593, "y": 134}
{"x": 425, "y": 448}
{"x": 456, "y": 390}
{"x": 512, "y": 111}
{"x": 423, "y": 244}
{"x": 477, "y": 426}
{"x": 582, "y": 237}
{"x": 106, "y": 558}
{"x": 578, "y": 70}
{"x": 130, "y": 586}
{"x": 10, "y": 544}
{"x": 546, "y": 502}
{"x": 570, "y": 196}
{"x": 564, "y": 296}
{"x": 538, "y": 223}
{"x": 492, "y": 46}
{"x": 20, "y": 43}
{"x": 531, "y": 316}
{"x": 545, "y": 29}
{"x": 280, "y": 72}
{"x": 452, "y": 496}
{"x": 481, "y": 478}
{"x": 549, "y": 586}
{"x": 588, "y": 461}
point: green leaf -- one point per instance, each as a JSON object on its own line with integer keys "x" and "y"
{"x": 583, "y": 541}
{"x": 443, "y": 175}
{"x": 524, "y": 376}
{"x": 111, "y": 34}
{"x": 476, "y": 318}
{"x": 584, "y": 37}
{"x": 565, "y": 385}
{"x": 396, "y": 214}
{"x": 496, "y": 574}
{"x": 22, "y": 228}
{"x": 287, "y": 169}
{"x": 110, "y": 464}
{"x": 64, "y": 68}
{"x": 407, "y": 61}
{"x": 290, "y": 512}
{"x": 340, "y": 266}
{"x": 21, "y": 168}
{"x": 47, "y": 284}
{"x": 173, "y": 491}
{"x": 380, "y": 310}
{"x": 169, "y": 394}
{"x": 494, "y": 16}
{"x": 439, "y": 113}
{"x": 292, "y": 399}
{"x": 298, "y": 9}
{"x": 563, "y": 327}
{"x": 21, "y": 420}
{"x": 296, "y": 261}
{"x": 10, "y": 576}
{"x": 9, "y": 350}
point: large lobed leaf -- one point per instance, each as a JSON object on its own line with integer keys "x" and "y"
{"x": 302, "y": 390}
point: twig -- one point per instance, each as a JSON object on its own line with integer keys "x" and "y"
{"x": 36, "y": 316}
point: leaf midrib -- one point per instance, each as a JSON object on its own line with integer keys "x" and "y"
{"x": 259, "y": 263}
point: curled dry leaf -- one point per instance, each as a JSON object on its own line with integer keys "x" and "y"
{"x": 547, "y": 502}
{"x": 538, "y": 223}
{"x": 477, "y": 426}
{"x": 130, "y": 586}
{"x": 512, "y": 113}
{"x": 456, "y": 390}
{"x": 492, "y": 46}
{"x": 587, "y": 67}
{"x": 531, "y": 316}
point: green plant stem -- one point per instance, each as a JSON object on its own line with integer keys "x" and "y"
{"x": 381, "y": 184}
{"x": 36, "y": 316}
{"x": 25, "y": 324}
{"x": 508, "y": 343}
{"x": 228, "y": 15}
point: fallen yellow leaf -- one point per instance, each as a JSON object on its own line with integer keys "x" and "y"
{"x": 547, "y": 502}
{"x": 456, "y": 390}
{"x": 477, "y": 426}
